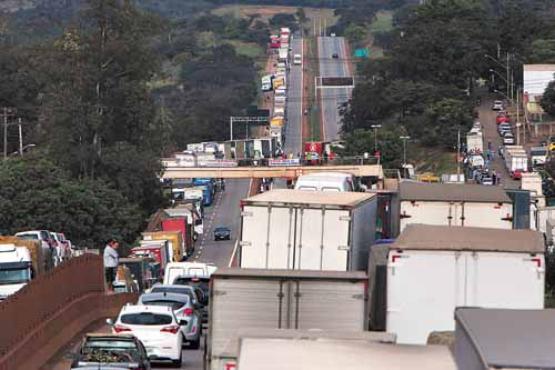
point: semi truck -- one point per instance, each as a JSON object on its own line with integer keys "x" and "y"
{"x": 475, "y": 141}
{"x": 266, "y": 82}
{"x": 187, "y": 230}
{"x": 280, "y": 299}
{"x": 302, "y": 230}
{"x": 516, "y": 160}
{"x": 20, "y": 262}
{"x": 416, "y": 283}
{"x": 175, "y": 240}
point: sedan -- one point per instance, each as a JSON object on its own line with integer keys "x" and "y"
{"x": 156, "y": 327}
{"x": 222, "y": 233}
{"x": 111, "y": 351}
{"x": 335, "y": 56}
{"x": 497, "y": 105}
{"x": 183, "y": 308}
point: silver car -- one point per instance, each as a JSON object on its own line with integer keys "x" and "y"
{"x": 195, "y": 293}
{"x": 184, "y": 310}
{"x": 497, "y": 105}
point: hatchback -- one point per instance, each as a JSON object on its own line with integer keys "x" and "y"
{"x": 183, "y": 308}
{"x": 111, "y": 351}
{"x": 156, "y": 327}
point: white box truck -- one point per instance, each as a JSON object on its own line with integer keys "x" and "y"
{"x": 307, "y": 230}
{"x": 280, "y": 299}
{"x": 475, "y": 141}
{"x": 454, "y": 205}
{"x": 431, "y": 270}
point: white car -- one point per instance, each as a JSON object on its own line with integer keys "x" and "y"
{"x": 156, "y": 327}
{"x": 497, "y": 105}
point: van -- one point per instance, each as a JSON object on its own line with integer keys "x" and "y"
{"x": 187, "y": 269}
{"x": 326, "y": 181}
{"x": 297, "y": 59}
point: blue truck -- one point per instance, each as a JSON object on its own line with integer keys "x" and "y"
{"x": 208, "y": 190}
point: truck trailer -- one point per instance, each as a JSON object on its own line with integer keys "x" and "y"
{"x": 280, "y": 299}
{"x": 416, "y": 283}
{"x": 305, "y": 230}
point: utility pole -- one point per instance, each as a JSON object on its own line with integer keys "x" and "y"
{"x": 404, "y": 138}
{"x": 20, "y": 137}
{"x": 5, "y": 113}
{"x": 508, "y": 81}
{"x": 458, "y": 155}
{"x": 231, "y": 128}
{"x": 376, "y": 127}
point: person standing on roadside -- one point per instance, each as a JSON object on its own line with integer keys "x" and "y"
{"x": 111, "y": 262}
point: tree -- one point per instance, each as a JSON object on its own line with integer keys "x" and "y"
{"x": 443, "y": 119}
{"x": 542, "y": 51}
{"x": 548, "y": 99}
{"x": 389, "y": 145}
{"x": 284, "y": 20}
{"x": 36, "y": 194}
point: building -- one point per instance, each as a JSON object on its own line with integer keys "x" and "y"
{"x": 536, "y": 77}
{"x": 454, "y": 205}
{"x": 504, "y": 339}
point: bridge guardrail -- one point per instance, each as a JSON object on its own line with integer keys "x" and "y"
{"x": 39, "y": 319}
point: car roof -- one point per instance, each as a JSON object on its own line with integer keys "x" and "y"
{"x": 109, "y": 336}
{"x": 146, "y": 308}
{"x": 173, "y": 286}
{"x": 221, "y": 227}
{"x": 164, "y": 296}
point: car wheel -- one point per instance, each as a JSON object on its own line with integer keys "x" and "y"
{"x": 195, "y": 344}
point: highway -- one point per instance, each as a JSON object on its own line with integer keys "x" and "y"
{"x": 332, "y": 98}
{"x": 293, "y": 131}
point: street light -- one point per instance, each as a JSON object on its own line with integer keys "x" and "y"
{"x": 506, "y": 81}
{"x": 506, "y": 67}
{"x": 376, "y": 127}
{"x": 404, "y": 138}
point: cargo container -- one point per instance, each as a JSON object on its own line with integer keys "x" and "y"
{"x": 454, "y": 205}
{"x": 180, "y": 224}
{"x": 281, "y": 299}
{"x": 156, "y": 249}
{"x": 475, "y": 141}
{"x": 295, "y": 229}
{"x": 189, "y": 211}
{"x": 175, "y": 240}
{"x": 430, "y": 270}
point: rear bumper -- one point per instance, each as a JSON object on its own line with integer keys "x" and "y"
{"x": 164, "y": 352}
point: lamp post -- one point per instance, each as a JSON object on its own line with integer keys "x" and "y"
{"x": 509, "y": 84}
{"x": 506, "y": 67}
{"x": 404, "y": 138}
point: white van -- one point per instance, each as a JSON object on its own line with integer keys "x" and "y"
{"x": 297, "y": 59}
{"x": 326, "y": 181}
{"x": 187, "y": 269}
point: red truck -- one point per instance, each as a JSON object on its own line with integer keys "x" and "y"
{"x": 157, "y": 249}
{"x": 180, "y": 224}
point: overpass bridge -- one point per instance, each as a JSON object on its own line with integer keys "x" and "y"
{"x": 364, "y": 170}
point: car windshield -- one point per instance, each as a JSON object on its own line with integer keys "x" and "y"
{"x": 146, "y": 318}
{"x": 14, "y": 276}
{"x": 176, "y": 290}
{"x": 221, "y": 229}
{"x": 28, "y": 236}
{"x": 201, "y": 283}
{"x": 175, "y": 305}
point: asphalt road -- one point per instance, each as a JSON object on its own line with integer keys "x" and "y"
{"x": 487, "y": 119}
{"x": 332, "y": 98}
{"x": 293, "y": 133}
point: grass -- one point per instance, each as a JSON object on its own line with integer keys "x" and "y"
{"x": 249, "y": 49}
{"x": 383, "y": 22}
{"x": 435, "y": 160}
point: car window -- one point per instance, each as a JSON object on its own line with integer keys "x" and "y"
{"x": 146, "y": 318}
{"x": 44, "y": 235}
{"x": 175, "y": 305}
{"x": 161, "y": 289}
{"x": 122, "y": 344}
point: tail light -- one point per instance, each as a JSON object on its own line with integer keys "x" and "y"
{"x": 188, "y": 311}
{"x": 121, "y": 328}
{"x": 170, "y": 329}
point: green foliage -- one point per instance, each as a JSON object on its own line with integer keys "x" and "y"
{"x": 542, "y": 51}
{"x": 36, "y": 194}
{"x": 284, "y": 20}
{"x": 389, "y": 145}
{"x": 442, "y": 120}
{"x": 355, "y": 34}
{"x": 548, "y": 99}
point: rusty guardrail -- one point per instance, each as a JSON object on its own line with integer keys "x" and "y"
{"x": 42, "y": 317}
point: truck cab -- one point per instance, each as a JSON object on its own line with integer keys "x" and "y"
{"x": 15, "y": 269}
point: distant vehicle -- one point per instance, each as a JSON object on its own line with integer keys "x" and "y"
{"x": 502, "y": 118}
{"x": 538, "y": 156}
{"x": 332, "y": 34}
{"x": 187, "y": 312}
{"x": 335, "y": 56}
{"x": 326, "y": 181}
{"x": 202, "y": 283}
{"x": 551, "y": 145}
{"x": 497, "y": 105}
{"x": 508, "y": 139}
{"x": 222, "y": 233}
{"x": 297, "y": 59}
{"x": 156, "y": 327}
{"x": 487, "y": 180}
{"x": 108, "y": 351}
{"x": 42, "y": 235}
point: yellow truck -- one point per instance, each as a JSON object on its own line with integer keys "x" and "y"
{"x": 174, "y": 238}
{"x": 276, "y": 122}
